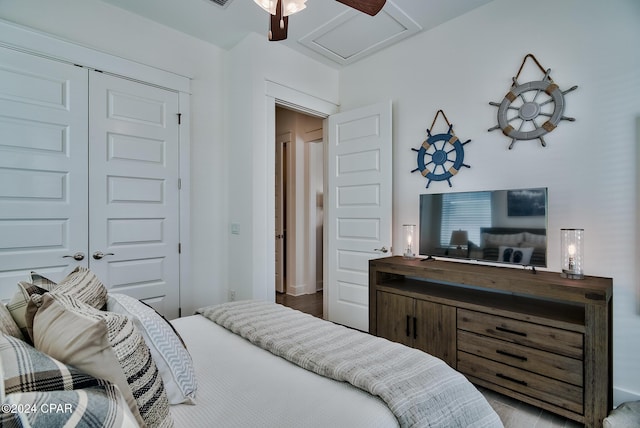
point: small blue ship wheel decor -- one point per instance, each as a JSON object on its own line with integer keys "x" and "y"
{"x": 531, "y": 110}
{"x": 440, "y": 156}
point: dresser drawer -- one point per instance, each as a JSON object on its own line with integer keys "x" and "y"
{"x": 545, "y": 363}
{"x": 542, "y": 388}
{"x": 556, "y": 340}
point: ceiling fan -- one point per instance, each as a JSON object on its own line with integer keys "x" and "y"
{"x": 281, "y": 9}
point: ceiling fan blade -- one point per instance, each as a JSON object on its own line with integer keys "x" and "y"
{"x": 370, "y": 7}
{"x": 278, "y": 24}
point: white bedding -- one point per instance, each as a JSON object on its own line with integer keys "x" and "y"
{"x": 242, "y": 385}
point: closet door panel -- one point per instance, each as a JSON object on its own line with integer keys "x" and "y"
{"x": 134, "y": 206}
{"x": 43, "y": 167}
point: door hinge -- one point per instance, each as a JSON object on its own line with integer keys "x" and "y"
{"x": 179, "y": 118}
{"x": 179, "y": 248}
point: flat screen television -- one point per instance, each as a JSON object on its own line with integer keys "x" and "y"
{"x": 499, "y": 226}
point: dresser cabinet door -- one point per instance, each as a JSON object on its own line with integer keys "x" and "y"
{"x": 395, "y": 318}
{"x": 435, "y": 330}
{"x": 428, "y": 326}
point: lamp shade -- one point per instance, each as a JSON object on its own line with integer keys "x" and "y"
{"x": 289, "y": 7}
{"x": 459, "y": 238}
{"x": 409, "y": 240}
{"x": 572, "y": 253}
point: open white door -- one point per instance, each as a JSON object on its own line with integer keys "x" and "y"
{"x": 358, "y": 208}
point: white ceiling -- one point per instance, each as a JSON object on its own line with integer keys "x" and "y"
{"x": 326, "y": 30}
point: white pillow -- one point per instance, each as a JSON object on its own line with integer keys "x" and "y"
{"x": 167, "y": 349}
{"x": 519, "y": 255}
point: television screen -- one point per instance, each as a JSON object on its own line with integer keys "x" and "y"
{"x": 502, "y": 226}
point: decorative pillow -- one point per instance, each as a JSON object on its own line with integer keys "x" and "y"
{"x": 2, "y": 377}
{"x": 519, "y": 255}
{"x": 166, "y": 345}
{"x": 26, "y": 369}
{"x": 42, "y": 281}
{"x": 105, "y": 345}
{"x": 493, "y": 240}
{"x": 18, "y": 305}
{"x": 533, "y": 240}
{"x": 538, "y": 258}
{"x": 81, "y": 283}
{"x": 490, "y": 253}
{"x": 8, "y": 325}
{"x": 94, "y": 407}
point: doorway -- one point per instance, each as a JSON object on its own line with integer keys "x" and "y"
{"x": 299, "y": 222}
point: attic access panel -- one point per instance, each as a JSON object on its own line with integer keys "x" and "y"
{"x": 353, "y": 35}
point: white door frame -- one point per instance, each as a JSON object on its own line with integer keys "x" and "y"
{"x": 281, "y": 141}
{"x": 277, "y": 94}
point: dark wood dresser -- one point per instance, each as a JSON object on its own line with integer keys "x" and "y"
{"x": 537, "y": 337}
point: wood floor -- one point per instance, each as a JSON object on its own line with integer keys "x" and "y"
{"x": 513, "y": 413}
{"x": 308, "y": 303}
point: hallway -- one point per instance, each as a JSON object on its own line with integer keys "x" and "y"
{"x": 308, "y": 303}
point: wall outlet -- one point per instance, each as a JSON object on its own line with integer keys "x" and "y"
{"x": 232, "y": 295}
{"x": 235, "y": 228}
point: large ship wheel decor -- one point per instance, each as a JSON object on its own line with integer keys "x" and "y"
{"x": 440, "y": 156}
{"x": 533, "y": 109}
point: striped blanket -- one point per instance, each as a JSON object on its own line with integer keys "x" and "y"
{"x": 420, "y": 390}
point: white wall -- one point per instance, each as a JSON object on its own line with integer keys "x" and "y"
{"x": 105, "y": 28}
{"x": 588, "y": 165}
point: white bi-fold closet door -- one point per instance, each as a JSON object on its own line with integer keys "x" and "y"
{"x": 88, "y": 177}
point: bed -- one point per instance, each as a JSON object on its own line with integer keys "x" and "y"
{"x": 233, "y": 358}
{"x": 499, "y": 243}
{"x": 113, "y": 362}
{"x": 268, "y": 391}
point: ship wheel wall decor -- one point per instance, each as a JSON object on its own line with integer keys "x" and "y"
{"x": 440, "y": 156}
{"x": 538, "y": 107}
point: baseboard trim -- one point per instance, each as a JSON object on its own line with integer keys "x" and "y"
{"x": 622, "y": 395}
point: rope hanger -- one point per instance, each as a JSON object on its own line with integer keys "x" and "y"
{"x": 440, "y": 112}
{"x": 532, "y": 57}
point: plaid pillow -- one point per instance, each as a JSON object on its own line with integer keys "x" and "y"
{"x": 42, "y": 281}
{"x": 95, "y": 407}
{"x": 18, "y": 305}
{"x": 8, "y": 324}
{"x": 26, "y": 369}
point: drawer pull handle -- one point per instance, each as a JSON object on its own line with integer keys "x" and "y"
{"x": 505, "y": 377}
{"x": 508, "y": 354}
{"x": 415, "y": 328}
{"x": 506, "y": 330}
{"x": 407, "y": 329}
